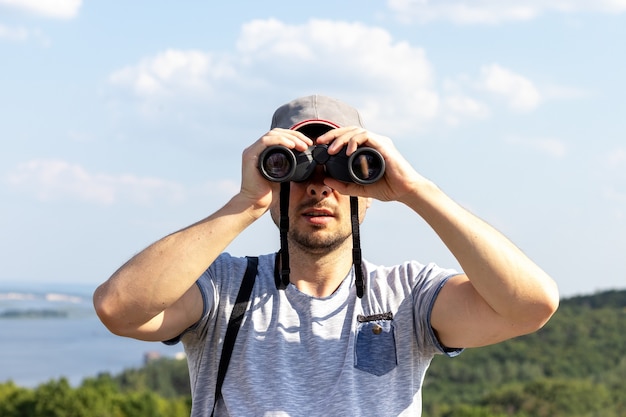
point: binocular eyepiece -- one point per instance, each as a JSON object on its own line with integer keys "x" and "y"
{"x": 280, "y": 164}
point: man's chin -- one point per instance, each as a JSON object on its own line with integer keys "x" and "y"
{"x": 317, "y": 242}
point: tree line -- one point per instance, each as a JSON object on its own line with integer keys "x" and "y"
{"x": 159, "y": 389}
{"x": 573, "y": 367}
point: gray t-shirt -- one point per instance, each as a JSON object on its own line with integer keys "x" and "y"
{"x": 298, "y": 355}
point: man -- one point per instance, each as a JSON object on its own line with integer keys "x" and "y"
{"x": 313, "y": 347}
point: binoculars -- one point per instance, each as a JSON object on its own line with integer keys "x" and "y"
{"x": 280, "y": 164}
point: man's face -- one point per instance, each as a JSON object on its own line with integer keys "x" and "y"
{"x": 319, "y": 217}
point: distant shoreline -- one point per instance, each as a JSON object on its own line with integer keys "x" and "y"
{"x": 33, "y": 314}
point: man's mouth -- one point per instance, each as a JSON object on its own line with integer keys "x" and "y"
{"x": 317, "y": 213}
{"x": 317, "y": 216}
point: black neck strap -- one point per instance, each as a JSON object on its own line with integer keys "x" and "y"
{"x": 282, "y": 278}
{"x": 356, "y": 247}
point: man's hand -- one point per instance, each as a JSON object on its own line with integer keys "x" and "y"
{"x": 254, "y": 187}
{"x": 400, "y": 178}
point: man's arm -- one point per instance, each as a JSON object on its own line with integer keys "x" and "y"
{"x": 153, "y": 296}
{"x": 503, "y": 293}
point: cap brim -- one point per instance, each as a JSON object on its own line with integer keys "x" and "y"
{"x": 304, "y": 123}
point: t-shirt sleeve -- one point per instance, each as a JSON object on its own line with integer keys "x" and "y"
{"x": 207, "y": 288}
{"x": 430, "y": 281}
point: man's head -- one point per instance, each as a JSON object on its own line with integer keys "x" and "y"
{"x": 320, "y": 219}
{"x": 318, "y": 214}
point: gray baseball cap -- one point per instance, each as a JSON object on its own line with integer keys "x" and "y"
{"x": 315, "y": 109}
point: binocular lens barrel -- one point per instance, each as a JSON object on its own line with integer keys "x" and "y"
{"x": 366, "y": 166}
{"x": 279, "y": 164}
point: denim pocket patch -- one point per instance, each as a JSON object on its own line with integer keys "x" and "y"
{"x": 375, "y": 351}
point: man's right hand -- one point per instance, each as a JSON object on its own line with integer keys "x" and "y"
{"x": 256, "y": 189}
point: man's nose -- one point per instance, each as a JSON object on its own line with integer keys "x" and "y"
{"x": 315, "y": 186}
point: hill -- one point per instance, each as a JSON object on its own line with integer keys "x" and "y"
{"x": 573, "y": 367}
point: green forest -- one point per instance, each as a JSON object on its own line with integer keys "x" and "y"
{"x": 573, "y": 367}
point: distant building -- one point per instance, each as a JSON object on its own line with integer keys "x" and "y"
{"x": 151, "y": 356}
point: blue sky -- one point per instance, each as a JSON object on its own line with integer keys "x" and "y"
{"x": 121, "y": 122}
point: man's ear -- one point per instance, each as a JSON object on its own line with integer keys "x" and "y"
{"x": 275, "y": 207}
{"x": 364, "y": 204}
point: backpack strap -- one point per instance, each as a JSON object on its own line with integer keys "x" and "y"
{"x": 234, "y": 323}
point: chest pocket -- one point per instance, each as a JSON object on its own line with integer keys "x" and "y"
{"x": 375, "y": 351}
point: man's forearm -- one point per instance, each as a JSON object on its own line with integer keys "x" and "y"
{"x": 159, "y": 275}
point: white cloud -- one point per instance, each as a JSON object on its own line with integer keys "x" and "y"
{"x": 14, "y": 33}
{"x": 393, "y": 80}
{"x": 553, "y": 147}
{"x": 494, "y": 11}
{"x": 396, "y": 78}
{"x": 460, "y": 107}
{"x": 56, "y": 179}
{"x": 172, "y": 72}
{"x": 21, "y": 34}
{"x": 58, "y": 9}
{"x": 519, "y": 92}
{"x": 617, "y": 159}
